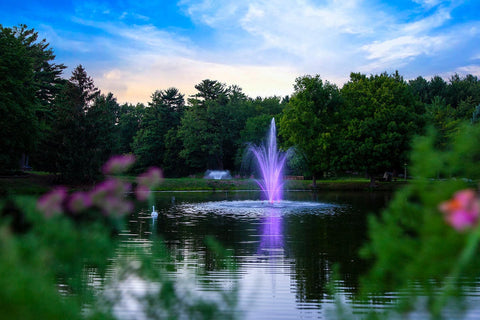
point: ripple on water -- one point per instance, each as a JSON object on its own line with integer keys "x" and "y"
{"x": 258, "y": 208}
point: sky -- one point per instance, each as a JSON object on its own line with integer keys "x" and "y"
{"x": 134, "y": 47}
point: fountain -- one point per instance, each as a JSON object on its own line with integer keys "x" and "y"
{"x": 270, "y": 163}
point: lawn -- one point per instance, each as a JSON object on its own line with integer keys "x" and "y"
{"x": 37, "y": 183}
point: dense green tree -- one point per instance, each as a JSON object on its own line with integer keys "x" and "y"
{"x": 129, "y": 121}
{"x": 463, "y": 90}
{"x": 442, "y": 117}
{"x": 28, "y": 82}
{"x": 47, "y": 73}
{"x": 163, "y": 114}
{"x": 210, "y": 128}
{"x": 73, "y": 135}
{"x": 18, "y": 104}
{"x": 256, "y": 129}
{"x": 381, "y": 118}
{"x": 256, "y": 115}
{"x": 420, "y": 88}
{"x": 310, "y": 123}
{"x": 173, "y": 164}
{"x": 447, "y": 103}
{"x": 437, "y": 87}
{"x": 209, "y": 90}
{"x": 195, "y": 139}
{"x": 102, "y": 121}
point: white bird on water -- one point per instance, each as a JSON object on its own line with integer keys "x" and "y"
{"x": 154, "y": 213}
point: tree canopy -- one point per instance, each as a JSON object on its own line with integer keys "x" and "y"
{"x": 310, "y": 123}
{"x": 68, "y": 126}
{"x": 382, "y": 117}
{"x": 29, "y": 80}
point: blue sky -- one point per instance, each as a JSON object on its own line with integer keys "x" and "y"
{"x": 134, "y": 47}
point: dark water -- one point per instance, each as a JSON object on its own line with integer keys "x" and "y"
{"x": 284, "y": 254}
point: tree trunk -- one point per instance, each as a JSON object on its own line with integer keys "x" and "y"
{"x": 314, "y": 182}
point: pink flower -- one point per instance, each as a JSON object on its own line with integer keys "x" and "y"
{"x": 115, "y": 206}
{"x": 79, "y": 201}
{"x": 51, "y": 203}
{"x": 118, "y": 164}
{"x": 462, "y": 211}
{"x": 151, "y": 178}
{"x": 147, "y": 181}
{"x": 109, "y": 196}
{"x": 109, "y": 187}
{"x": 142, "y": 192}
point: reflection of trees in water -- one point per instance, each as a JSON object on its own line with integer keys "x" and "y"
{"x": 317, "y": 243}
{"x": 311, "y": 242}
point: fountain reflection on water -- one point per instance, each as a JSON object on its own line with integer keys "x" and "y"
{"x": 271, "y": 241}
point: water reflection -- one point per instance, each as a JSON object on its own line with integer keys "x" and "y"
{"x": 271, "y": 243}
{"x": 284, "y": 254}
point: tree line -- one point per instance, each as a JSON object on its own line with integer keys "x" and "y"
{"x": 69, "y": 127}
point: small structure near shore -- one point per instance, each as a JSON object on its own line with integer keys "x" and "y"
{"x": 217, "y": 174}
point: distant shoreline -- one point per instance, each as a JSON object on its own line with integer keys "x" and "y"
{"x": 36, "y": 184}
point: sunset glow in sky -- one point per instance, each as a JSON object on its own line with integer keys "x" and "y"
{"x": 134, "y": 47}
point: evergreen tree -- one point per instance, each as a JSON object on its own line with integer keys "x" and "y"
{"x": 29, "y": 80}
{"x": 163, "y": 114}
{"x": 74, "y": 138}
{"x": 130, "y": 118}
{"x": 18, "y": 104}
{"x": 210, "y": 129}
{"x": 202, "y": 130}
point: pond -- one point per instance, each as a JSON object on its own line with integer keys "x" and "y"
{"x": 283, "y": 254}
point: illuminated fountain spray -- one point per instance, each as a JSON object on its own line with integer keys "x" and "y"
{"x": 270, "y": 163}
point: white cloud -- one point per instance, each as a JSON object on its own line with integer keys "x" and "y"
{"x": 437, "y": 19}
{"x": 141, "y": 37}
{"x": 473, "y": 69}
{"x": 428, "y": 3}
{"x": 262, "y": 46}
{"x": 399, "y": 51}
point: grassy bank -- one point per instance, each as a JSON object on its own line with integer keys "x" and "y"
{"x": 27, "y": 183}
{"x": 38, "y": 183}
{"x": 192, "y": 184}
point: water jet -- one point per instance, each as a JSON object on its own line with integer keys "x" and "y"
{"x": 270, "y": 162}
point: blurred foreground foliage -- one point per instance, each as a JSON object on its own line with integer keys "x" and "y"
{"x": 412, "y": 247}
{"x": 61, "y": 268}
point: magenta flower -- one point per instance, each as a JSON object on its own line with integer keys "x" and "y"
{"x": 51, "y": 203}
{"x": 463, "y": 210}
{"x": 109, "y": 187}
{"x": 115, "y": 206}
{"x": 118, "y": 164}
{"x": 79, "y": 201}
{"x": 109, "y": 197}
{"x": 151, "y": 178}
{"x": 147, "y": 181}
{"x": 142, "y": 192}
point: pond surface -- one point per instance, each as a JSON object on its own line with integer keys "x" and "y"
{"x": 276, "y": 260}
{"x": 284, "y": 254}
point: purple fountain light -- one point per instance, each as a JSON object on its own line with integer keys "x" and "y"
{"x": 270, "y": 163}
